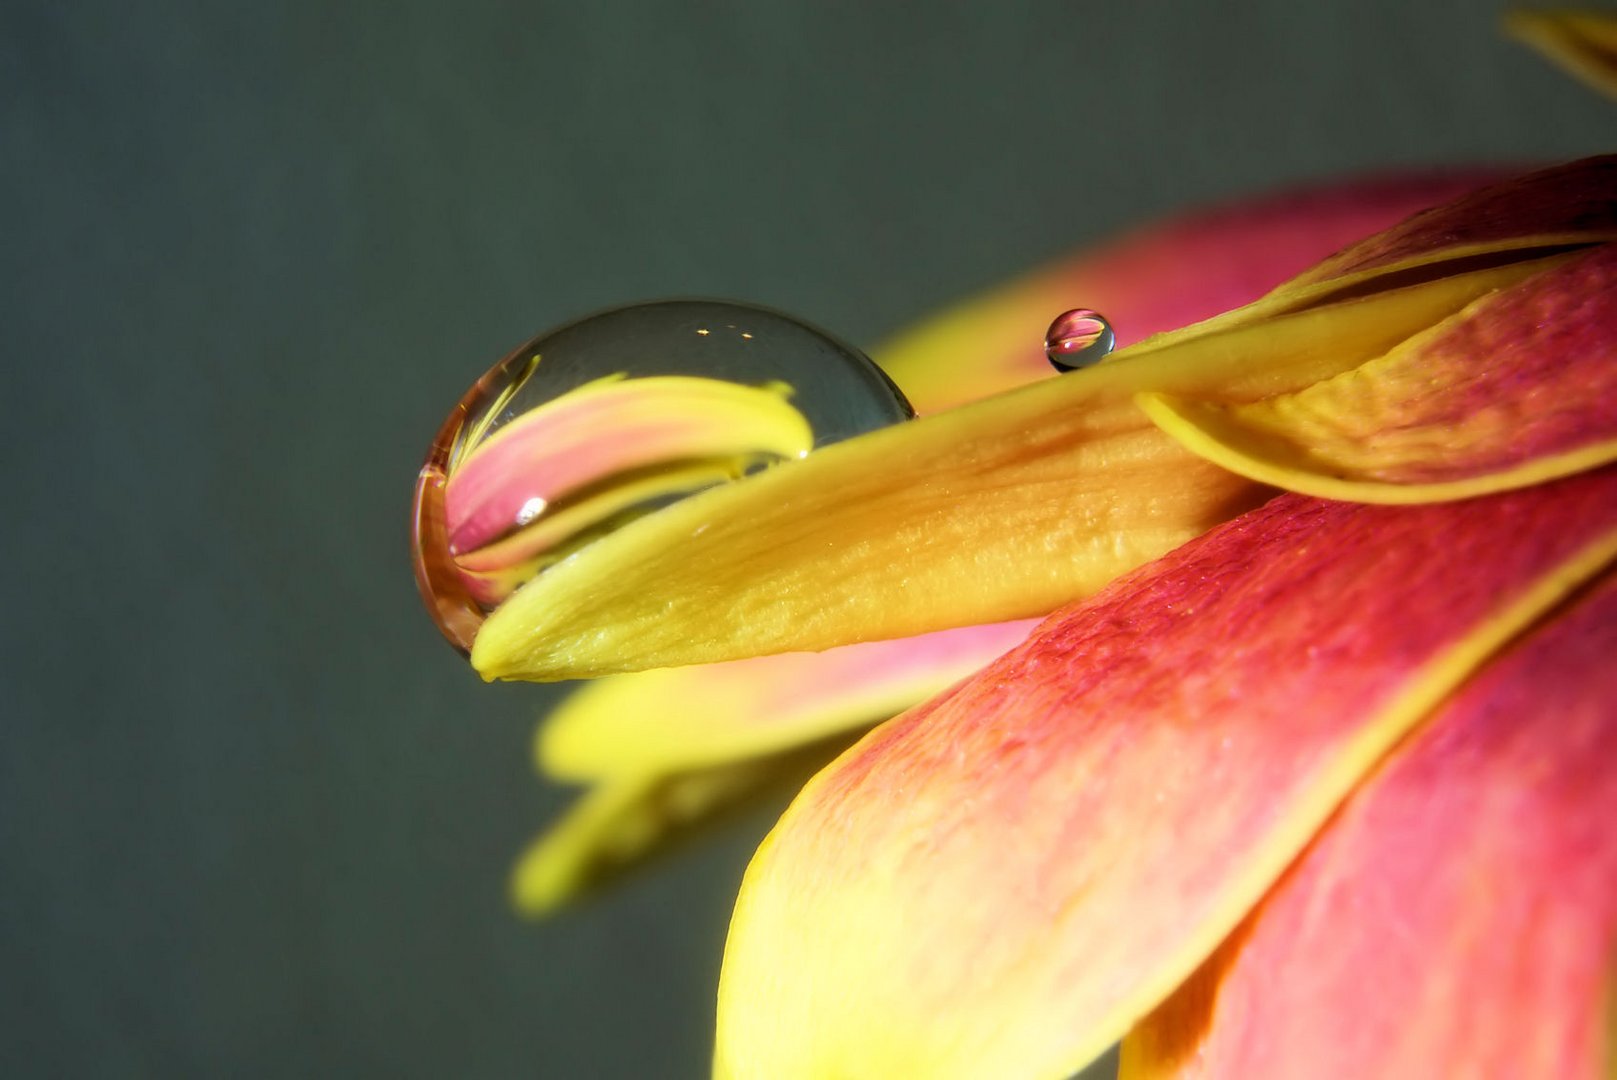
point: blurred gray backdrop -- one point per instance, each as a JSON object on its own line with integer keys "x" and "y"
{"x": 255, "y": 818}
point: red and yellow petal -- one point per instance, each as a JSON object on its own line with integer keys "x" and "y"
{"x": 1004, "y": 880}
{"x": 1458, "y": 917}
{"x": 1516, "y": 389}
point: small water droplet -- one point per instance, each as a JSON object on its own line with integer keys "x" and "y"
{"x": 492, "y": 509}
{"x": 1077, "y": 339}
{"x": 530, "y": 510}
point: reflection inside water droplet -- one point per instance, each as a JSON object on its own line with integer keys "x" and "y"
{"x": 592, "y": 425}
{"x": 1077, "y": 339}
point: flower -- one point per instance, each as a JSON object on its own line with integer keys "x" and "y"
{"x": 662, "y": 748}
{"x": 1316, "y": 735}
{"x": 1301, "y": 784}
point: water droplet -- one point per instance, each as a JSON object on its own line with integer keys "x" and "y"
{"x": 1077, "y": 339}
{"x": 611, "y": 417}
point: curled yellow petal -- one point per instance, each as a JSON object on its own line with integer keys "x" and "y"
{"x": 1514, "y": 390}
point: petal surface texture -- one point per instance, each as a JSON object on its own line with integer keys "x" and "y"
{"x": 1002, "y": 881}
{"x": 1458, "y": 918}
{"x": 1515, "y": 390}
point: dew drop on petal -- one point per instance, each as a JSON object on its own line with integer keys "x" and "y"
{"x": 1077, "y": 339}
{"x": 467, "y": 561}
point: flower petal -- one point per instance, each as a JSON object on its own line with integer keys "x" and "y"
{"x": 972, "y": 504}
{"x": 1567, "y": 205}
{"x": 1583, "y": 43}
{"x": 1002, "y": 881}
{"x": 1519, "y": 388}
{"x": 1459, "y": 917}
{"x": 670, "y": 719}
{"x": 1149, "y": 281}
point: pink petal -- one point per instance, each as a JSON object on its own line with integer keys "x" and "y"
{"x": 1458, "y": 918}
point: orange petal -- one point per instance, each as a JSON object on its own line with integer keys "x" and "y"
{"x": 1516, "y": 389}
{"x": 668, "y": 719}
{"x": 1151, "y": 280}
{"x": 999, "y": 883}
{"x": 1459, "y": 917}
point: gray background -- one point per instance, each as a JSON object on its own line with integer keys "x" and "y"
{"x": 255, "y": 819}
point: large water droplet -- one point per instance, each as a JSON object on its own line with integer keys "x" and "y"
{"x": 1077, "y": 339}
{"x": 605, "y": 419}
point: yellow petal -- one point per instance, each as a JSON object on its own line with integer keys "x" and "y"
{"x": 672, "y": 719}
{"x": 999, "y": 510}
{"x": 1516, "y": 389}
{"x": 1000, "y": 882}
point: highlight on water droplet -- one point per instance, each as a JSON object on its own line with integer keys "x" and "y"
{"x": 1078, "y": 338}
{"x": 593, "y": 425}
